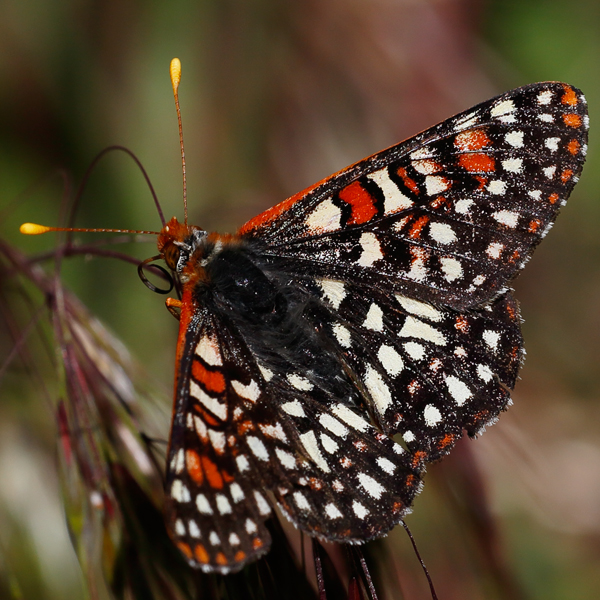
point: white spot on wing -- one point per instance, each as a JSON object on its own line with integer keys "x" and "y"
{"x": 194, "y": 529}
{"x": 420, "y": 309}
{"x": 514, "y": 138}
{"x": 436, "y": 184}
{"x": 333, "y": 425}
{"x": 179, "y": 491}
{"x": 552, "y": 143}
{"x": 342, "y": 335}
{"x": 503, "y": 108}
{"x": 208, "y": 350}
{"x": 334, "y": 291}
{"x": 378, "y": 389}
{"x": 223, "y": 505}
{"x": 431, "y": 415}
{"x": 462, "y": 207}
{"x": 299, "y": 382}
{"x": 212, "y": 404}
{"x": 374, "y": 319}
{"x": 309, "y": 441}
{"x": 394, "y": 199}
{"x": 237, "y": 494}
{"x": 285, "y": 458}
{"x": 416, "y": 328}
{"x": 371, "y": 250}
{"x": 496, "y": 187}
{"x": 293, "y": 408}
{"x": 442, "y": 233}
{"x": 242, "y": 463}
{"x": 458, "y": 389}
{"x": 494, "y": 250}
{"x": 370, "y": 485}
{"x": 301, "y": 501}
{"x": 359, "y": 510}
{"x": 414, "y": 350}
{"x": 263, "y": 506}
{"x": 506, "y": 217}
{"x": 332, "y": 511}
{"x": 250, "y": 527}
{"x": 350, "y": 417}
{"x": 451, "y": 268}
{"x": 513, "y": 165}
{"x": 273, "y": 431}
{"x": 250, "y": 391}
{"x": 386, "y": 465}
{"x": 491, "y": 338}
{"x": 484, "y": 373}
{"x": 390, "y": 360}
{"x": 329, "y": 444}
{"x": 257, "y": 447}
{"x": 326, "y": 217}
{"x": 544, "y": 97}
{"x": 203, "y": 505}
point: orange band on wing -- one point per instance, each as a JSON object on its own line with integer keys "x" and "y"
{"x": 362, "y": 203}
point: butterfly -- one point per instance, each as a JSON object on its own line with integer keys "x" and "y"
{"x": 345, "y": 338}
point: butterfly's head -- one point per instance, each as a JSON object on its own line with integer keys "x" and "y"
{"x": 177, "y": 242}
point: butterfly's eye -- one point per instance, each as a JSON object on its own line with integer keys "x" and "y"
{"x": 171, "y": 254}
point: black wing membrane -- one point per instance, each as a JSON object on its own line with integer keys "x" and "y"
{"x": 449, "y": 216}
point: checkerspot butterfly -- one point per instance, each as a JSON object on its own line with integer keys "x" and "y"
{"x": 373, "y": 304}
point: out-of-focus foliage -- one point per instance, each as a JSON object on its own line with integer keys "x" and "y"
{"x": 275, "y": 96}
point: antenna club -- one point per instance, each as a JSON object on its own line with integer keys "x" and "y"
{"x": 175, "y": 72}
{"x": 33, "y": 229}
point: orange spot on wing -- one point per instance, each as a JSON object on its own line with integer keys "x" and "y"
{"x": 483, "y": 181}
{"x": 415, "y": 230}
{"x": 213, "y": 475}
{"x": 227, "y": 477}
{"x": 462, "y": 324}
{"x": 245, "y": 427}
{"x": 566, "y": 175}
{"x": 418, "y": 458}
{"x": 408, "y": 182}
{"x": 194, "y": 467}
{"x": 572, "y": 120}
{"x": 573, "y": 147}
{"x": 569, "y": 97}
{"x": 201, "y": 554}
{"x": 446, "y": 441}
{"x": 213, "y": 381}
{"x": 207, "y": 418}
{"x": 257, "y": 543}
{"x": 475, "y": 139}
{"x": 240, "y": 555}
{"x": 362, "y": 203}
{"x": 534, "y": 225}
{"x": 185, "y": 549}
{"x": 552, "y": 198}
{"x": 221, "y": 559}
{"x": 477, "y": 162}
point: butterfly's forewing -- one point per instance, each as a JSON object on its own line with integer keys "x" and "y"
{"x": 449, "y": 216}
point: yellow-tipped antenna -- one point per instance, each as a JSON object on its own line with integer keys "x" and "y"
{"x": 175, "y": 71}
{"x": 35, "y": 229}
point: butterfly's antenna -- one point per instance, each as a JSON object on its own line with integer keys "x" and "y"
{"x": 175, "y": 70}
{"x": 35, "y": 229}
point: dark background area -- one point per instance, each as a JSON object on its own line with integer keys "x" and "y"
{"x": 275, "y": 96}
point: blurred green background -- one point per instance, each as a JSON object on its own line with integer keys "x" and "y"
{"x": 275, "y": 96}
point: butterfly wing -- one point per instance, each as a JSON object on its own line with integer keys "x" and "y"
{"x": 449, "y": 216}
{"x": 240, "y": 430}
